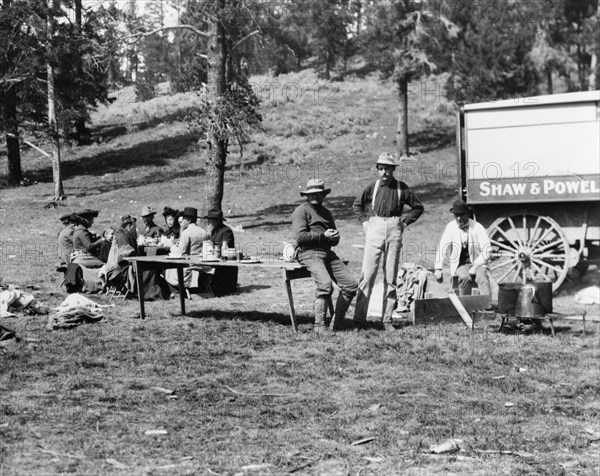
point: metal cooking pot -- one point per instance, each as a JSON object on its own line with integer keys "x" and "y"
{"x": 525, "y": 300}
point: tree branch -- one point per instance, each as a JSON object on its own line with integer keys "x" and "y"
{"x": 249, "y": 35}
{"x": 29, "y": 144}
{"x": 139, "y": 36}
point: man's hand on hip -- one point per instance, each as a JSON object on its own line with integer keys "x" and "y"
{"x": 438, "y": 275}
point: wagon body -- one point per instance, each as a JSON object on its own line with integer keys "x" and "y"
{"x": 530, "y": 170}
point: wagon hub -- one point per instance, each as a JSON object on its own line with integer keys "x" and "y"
{"x": 525, "y": 256}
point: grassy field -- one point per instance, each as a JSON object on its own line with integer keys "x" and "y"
{"x": 248, "y": 395}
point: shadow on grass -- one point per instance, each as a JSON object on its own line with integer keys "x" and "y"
{"x": 432, "y": 139}
{"x": 151, "y": 153}
{"x": 252, "y": 316}
{"x": 248, "y": 289}
{"x": 111, "y": 131}
{"x": 435, "y": 191}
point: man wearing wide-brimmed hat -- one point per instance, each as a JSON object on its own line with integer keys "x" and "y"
{"x": 150, "y": 229}
{"x": 315, "y": 233}
{"x": 379, "y": 208}
{"x": 219, "y": 232}
{"x": 173, "y": 230}
{"x": 469, "y": 247}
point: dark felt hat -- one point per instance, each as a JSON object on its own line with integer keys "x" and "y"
{"x": 65, "y": 217}
{"x": 168, "y": 211}
{"x": 88, "y": 213}
{"x": 190, "y": 212}
{"x": 214, "y": 214}
{"x": 459, "y": 207}
{"x": 78, "y": 219}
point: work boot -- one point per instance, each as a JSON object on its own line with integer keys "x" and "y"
{"x": 320, "y": 306}
{"x": 341, "y": 306}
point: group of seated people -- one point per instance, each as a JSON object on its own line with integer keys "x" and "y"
{"x": 93, "y": 263}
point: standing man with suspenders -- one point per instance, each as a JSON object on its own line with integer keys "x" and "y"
{"x": 384, "y": 199}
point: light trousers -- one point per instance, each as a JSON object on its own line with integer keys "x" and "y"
{"x": 383, "y": 240}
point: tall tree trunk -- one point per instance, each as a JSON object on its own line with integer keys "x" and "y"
{"x": 549, "y": 80}
{"x": 402, "y": 132}
{"x": 80, "y": 121}
{"x": 358, "y": 17}
{"x": 593, "y": 68}
{"x": 55, "y": 147}
{"x": 9, "y": 98}
{"x": 217, "y": 82}
{"x": 592, "y": 80}
{"x": 15, "y": 174}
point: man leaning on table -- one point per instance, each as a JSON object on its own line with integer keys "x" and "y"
{"x": 379, "y": 208}
{"x": 315, "y": 233}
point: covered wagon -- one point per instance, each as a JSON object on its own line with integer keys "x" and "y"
{"x": 530, "y": 170}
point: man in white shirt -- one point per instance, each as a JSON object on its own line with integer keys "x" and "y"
{"x": 469, "y": 247}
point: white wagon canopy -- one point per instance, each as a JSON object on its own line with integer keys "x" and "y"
{"x": 530, "y": 168}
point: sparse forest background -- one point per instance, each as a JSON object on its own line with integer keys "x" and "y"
{"x": 61, "y": 59}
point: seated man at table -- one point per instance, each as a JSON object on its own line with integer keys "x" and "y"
{"x": 219, "y": 232}
{"x": 225, "y": 278}
{"x": 150, "y": 229}
{"x": 190, "y": 243}
{"x": 315, "y": 232}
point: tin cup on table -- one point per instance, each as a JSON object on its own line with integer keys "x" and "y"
{"x": 207, "y": 249}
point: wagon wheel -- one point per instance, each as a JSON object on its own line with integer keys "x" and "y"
{"x": 527, "y": 246}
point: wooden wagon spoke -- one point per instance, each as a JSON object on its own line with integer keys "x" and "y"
{"x": 551, "y": 256}
{"x": 498, "y": 254}
{"x": 540, "y": 272}
{"x": 501, "y": 278}
{"x": 525, "y": 229}
{"x": 548, "y": 245}
{"x": 547, "y": 265}
{"x": 512, "y": 225}
{"x": 535, "y": 227}
{"x": 502, "y": 245}
{"x": 518, "y": 271}
{"x": 543, "y": 237}
{"x": 515, "y": 245}
{"x": 501, "y": 265}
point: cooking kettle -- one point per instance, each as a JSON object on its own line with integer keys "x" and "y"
{"x": 525, "y": 300}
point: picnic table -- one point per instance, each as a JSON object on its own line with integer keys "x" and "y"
{"x": 289, "y": 272}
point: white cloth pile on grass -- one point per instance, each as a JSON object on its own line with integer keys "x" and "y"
{"x": 13, "y": 299}
{"x": 75, "y": 310}
{"x": 590, "y": 295}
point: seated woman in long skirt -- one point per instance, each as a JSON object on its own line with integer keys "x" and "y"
{"x": 121, "y": 274}
{"x": 85, "y": 245}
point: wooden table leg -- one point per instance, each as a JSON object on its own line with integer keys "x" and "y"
{"x": 181, "y": 289}
{"x": 140, "y": 288}
{"x": 288, "y": 288}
